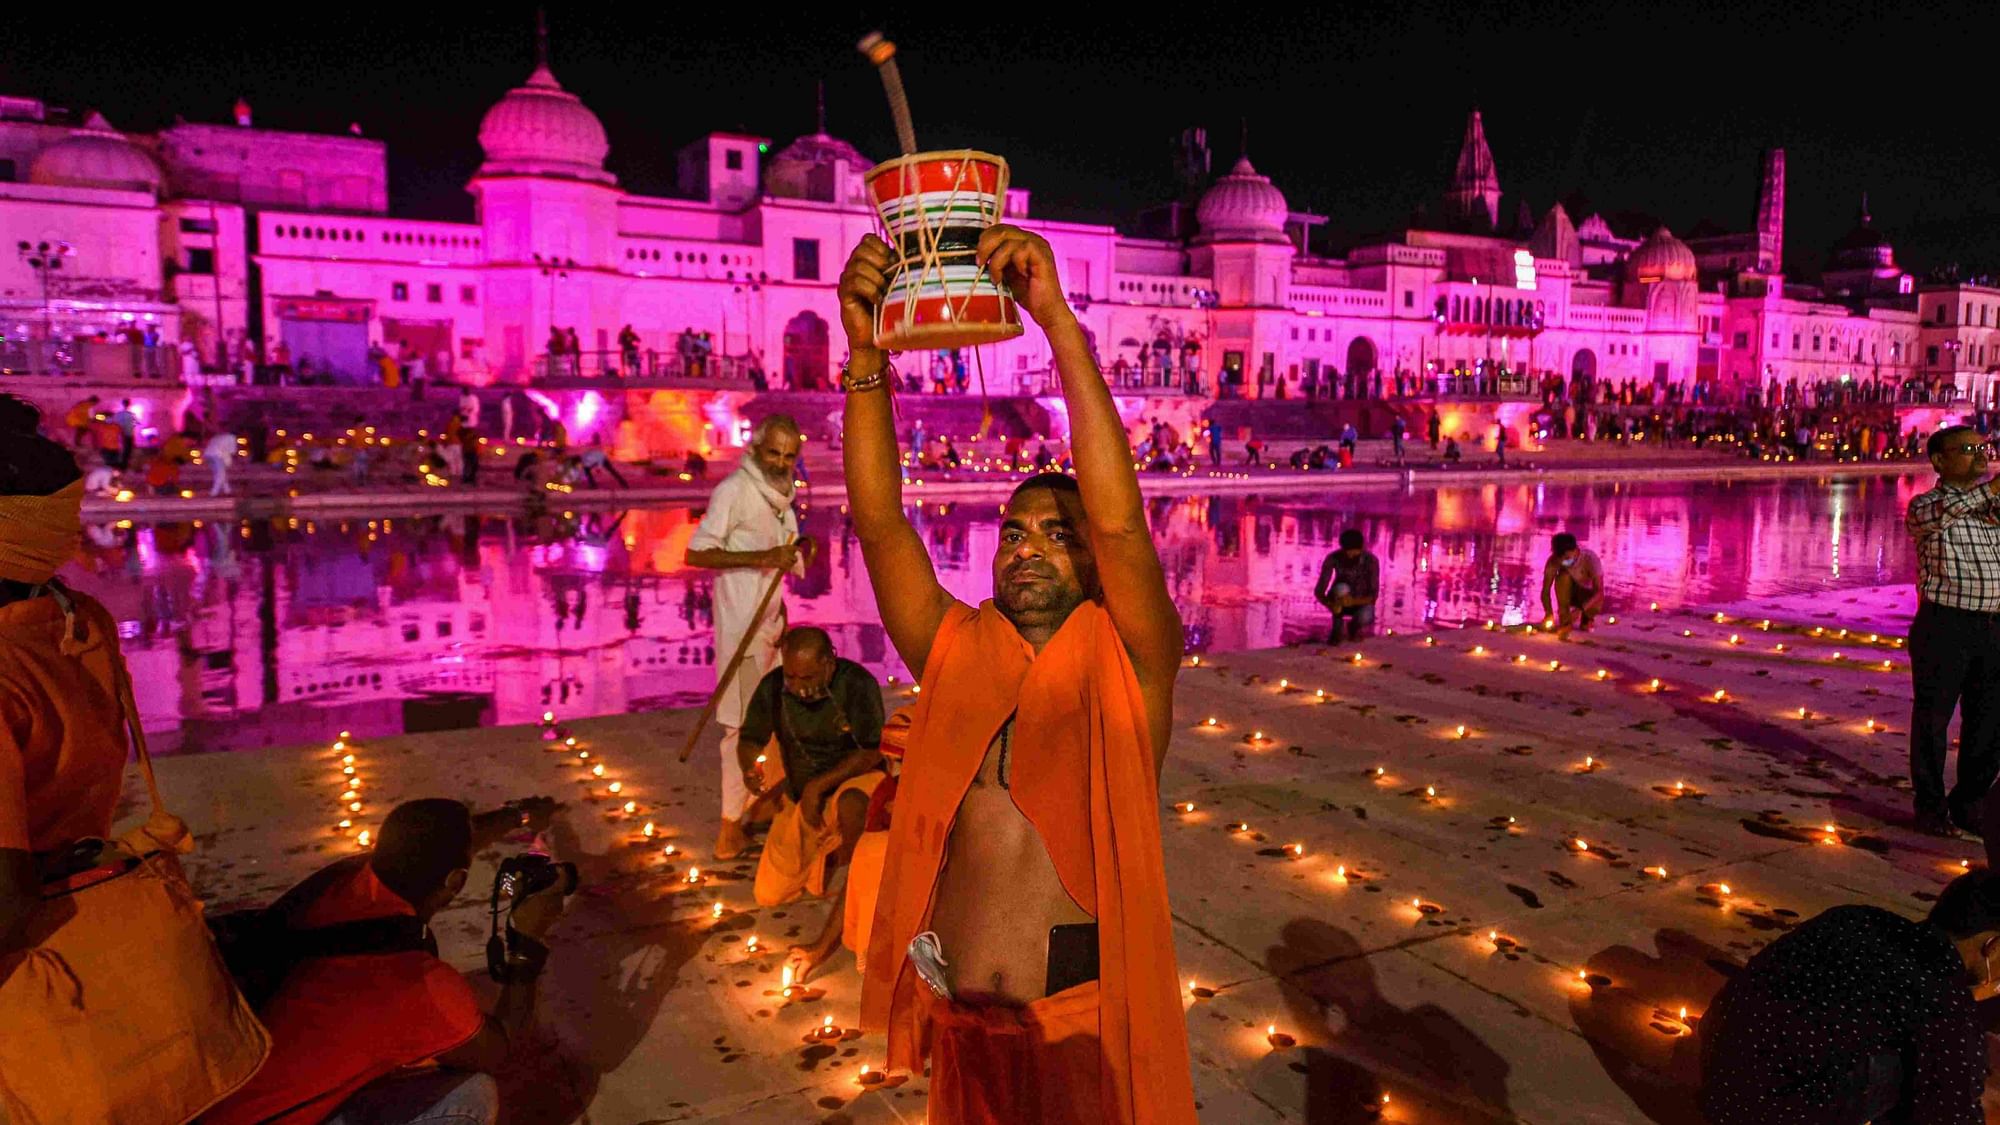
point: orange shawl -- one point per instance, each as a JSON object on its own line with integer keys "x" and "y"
{"x": 1084, "y": 777}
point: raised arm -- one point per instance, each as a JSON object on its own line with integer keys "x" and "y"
{"x": 1128, "y": 566}
{"x": 1936, "y": 510}
{"x": 907, "y": 593}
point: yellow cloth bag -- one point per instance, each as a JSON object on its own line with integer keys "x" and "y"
{"x": 121, "y": 1011}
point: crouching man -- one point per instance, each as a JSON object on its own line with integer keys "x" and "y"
{"x": 369, "y": 1026}
{"x": 825, "y": 714}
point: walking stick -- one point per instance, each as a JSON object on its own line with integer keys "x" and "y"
{"x": 729, "y": 670}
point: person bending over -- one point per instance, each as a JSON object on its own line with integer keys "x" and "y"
{"x": 1350, "y": 582}
{"x": 1859, "y": 1015}
{"x": 349, "y": 1031}
{"x": 1572, "y": 586}
{"x": 826, "y": 715}
{"x": 1021, "y": 937}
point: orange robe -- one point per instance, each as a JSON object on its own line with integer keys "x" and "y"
{"x": 1084, "y": 776}
{"x": 62, "y": 727}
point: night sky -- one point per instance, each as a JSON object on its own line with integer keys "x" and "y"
{"x": 1355, "y": 114}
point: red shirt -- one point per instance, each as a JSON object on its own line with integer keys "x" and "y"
{"x": 339, "y": 1023}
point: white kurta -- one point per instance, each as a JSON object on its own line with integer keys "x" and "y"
{"x": 744, "y": 514}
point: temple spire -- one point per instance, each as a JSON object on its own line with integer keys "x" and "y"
{"x": 1474, "y": 196}
{"x": 1771, "y": 213}
{"x": 541, "y": 38}
{"x": 821, "y": 118}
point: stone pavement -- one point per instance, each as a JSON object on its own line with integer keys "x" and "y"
{"x": 1494, "y": 923}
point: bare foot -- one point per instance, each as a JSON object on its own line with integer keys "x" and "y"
{"x": 806, "y": 960}
{"x": 732, "y": 841}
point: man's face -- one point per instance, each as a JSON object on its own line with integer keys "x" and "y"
{"x": 807, "y": 675}
{"x": 1963, "y": 456}
{"x": 1043, "y": 565}
{"x": 1350, "y": 553}
{"x": 776, "y": 456}
{"x": 1567, "y": 558}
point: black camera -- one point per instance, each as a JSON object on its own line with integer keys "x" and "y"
{"x": 530, "y": 873}
{"x": 520, "y": 876}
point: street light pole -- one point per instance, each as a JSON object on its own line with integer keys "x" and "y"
{"x": 45, "y": 258}
{"x": 555, "y": 269}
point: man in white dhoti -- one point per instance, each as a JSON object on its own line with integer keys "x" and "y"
{"x": 749, "y": 533}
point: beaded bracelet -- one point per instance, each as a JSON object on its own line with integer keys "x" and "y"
{"x": 855, "y": 386}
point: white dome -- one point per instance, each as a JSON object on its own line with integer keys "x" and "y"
{"x": 96, "y": 156}
{"x": 541, "y": 129}
{"x": 1662, "y": 257}
{"x": 1243, "y": 207}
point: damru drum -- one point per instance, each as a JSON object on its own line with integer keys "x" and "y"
{"x": 934, "y": 206}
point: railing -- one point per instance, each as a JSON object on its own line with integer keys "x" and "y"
{"x": 641, "y": 364}
{"x": 1131, "y": 381}
{"x": 1939, "y": 396}
{"x": 88, "y": 359}
{"x": 1474, "y": 386}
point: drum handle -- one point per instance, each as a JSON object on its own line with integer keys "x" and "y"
{"x": 882, "y": 53}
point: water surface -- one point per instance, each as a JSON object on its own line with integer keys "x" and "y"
{"x": 275, "y": 632}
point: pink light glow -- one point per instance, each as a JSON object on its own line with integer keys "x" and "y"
{"x": 588, "y": 408}
{"x": 545, "y": 402}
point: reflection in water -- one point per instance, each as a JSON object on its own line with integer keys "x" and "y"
{"x": 276, "y": 632}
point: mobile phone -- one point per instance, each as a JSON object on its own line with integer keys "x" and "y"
{"x": 1072, "y": 956}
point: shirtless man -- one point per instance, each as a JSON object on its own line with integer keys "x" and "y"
{"x": 1008, "y": 774}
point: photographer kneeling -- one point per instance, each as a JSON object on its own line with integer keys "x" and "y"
{"x": 365, "y": 997}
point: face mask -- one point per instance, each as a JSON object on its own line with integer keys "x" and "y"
{"x": 1568, "y": 562}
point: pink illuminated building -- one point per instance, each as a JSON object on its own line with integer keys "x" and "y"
{"x": 231, "y": 232}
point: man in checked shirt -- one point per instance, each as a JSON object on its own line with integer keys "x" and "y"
{"x": 1955, "y": 639}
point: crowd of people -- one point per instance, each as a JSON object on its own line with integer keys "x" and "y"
{"x": 1498, "y": 379}
{"x": 992, "y": 855}
{"x": 107, "y": 443}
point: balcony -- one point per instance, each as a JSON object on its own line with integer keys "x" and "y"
{"x": 1132, "y": 382}
{"x": 599, "y": 369}
{"x": 1466, "y": 385}
{"x": 105, "y": 362}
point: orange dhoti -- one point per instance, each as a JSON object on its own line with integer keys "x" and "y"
{"x": 1001, "y": 1064}
{"x": 795, "y": 853}
{"x": 864, "y": 883}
